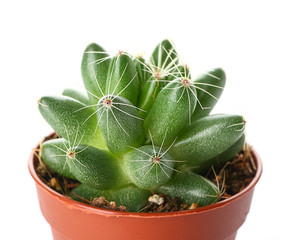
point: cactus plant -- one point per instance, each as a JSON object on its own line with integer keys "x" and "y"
{"x": 143, "y": 126}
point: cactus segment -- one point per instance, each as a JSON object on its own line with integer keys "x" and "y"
{"x": 191, "y": 188}
{"x": 94, "y": 69}
{"x": 133, "y": 198}
{"x": 164, "y": 56}
{"x": 207, "y": 138}
{"x": 97, "y": 168}
{"x": 57, "y": 155}
{"x": 180, "y": 72}
{"x": 77, "y": 95}
{"x": 209, "y": 88}
{"x": 227, "y": 155}
{"x": 122, "y": 79}
{"x": 119, "y": 124}
{"x": 218, "y": 161}
{"x": 171, "y": 111}
{"x": 149, "y": 166}
{"x": 83, "y": 193}
{"x": 148, "y": 95}
{"x": 71, "y": 120}
{"x": 162, "y": 62}
{"x": 94, "y": 167}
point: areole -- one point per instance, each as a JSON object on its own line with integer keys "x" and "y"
{"x": 73, "y": 220}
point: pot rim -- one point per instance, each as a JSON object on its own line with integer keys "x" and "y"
{"x": 96, "y": 210}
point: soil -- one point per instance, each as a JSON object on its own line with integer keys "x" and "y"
{"x": 232, "y": 178}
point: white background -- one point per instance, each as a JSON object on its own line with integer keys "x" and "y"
{"x": 40, "y": 54}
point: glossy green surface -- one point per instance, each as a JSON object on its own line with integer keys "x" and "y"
{"x": 133, "y": 198}
{"x": 207, "y": 138}
{"x": 54, "y": 153}
{"x": 98, "y": 169}
{"x": 94, "y": 69}
{"x": 122, "y": 78}
{"x": 71, "y": 120}
{"x": 164, "y": 55}
{"x": 148, "y": 95}
{"x": 149, "y": 166}
{"x": 170, "y": 113}
{"x": 191, "y": 188}
{"x": 77, "y": 95}
{"x": 209, "y": 88}
{"x": 84, "y": 192}
{"x": 120, "y": 124}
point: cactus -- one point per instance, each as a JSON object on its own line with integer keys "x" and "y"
{"x": 143, "y": 126}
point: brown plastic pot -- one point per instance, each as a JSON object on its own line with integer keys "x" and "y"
{"x": 71, "y": 220}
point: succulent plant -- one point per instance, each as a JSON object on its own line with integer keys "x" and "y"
{"x": 141, "y": 127}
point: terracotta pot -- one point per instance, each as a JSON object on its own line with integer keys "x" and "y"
{"x": 71, "y": 220}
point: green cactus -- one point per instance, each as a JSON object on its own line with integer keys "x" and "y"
{"x": 144, "y": 126}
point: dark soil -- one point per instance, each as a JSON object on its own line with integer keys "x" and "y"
{"x": 233, "y": 177}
